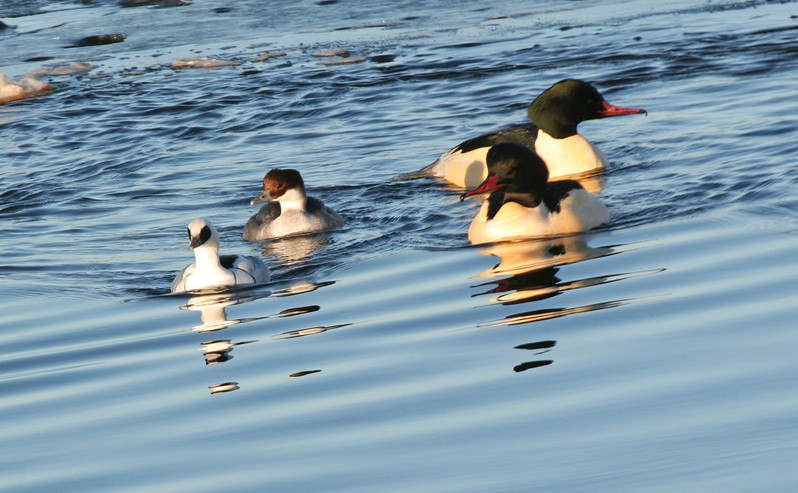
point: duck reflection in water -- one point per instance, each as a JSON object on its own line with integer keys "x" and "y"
{"x": 212, "y": 307}
{"x": 223, "y": 387}
{"x": 212, "y": 313}
{"x": 214, "y": 318}
{"x": 291, "y": 334}
{"x": 218, "y": 351}
{"x": 532, "y": 267}
{"x": 212, "y": 310}
{"x": 295, "y": 249}
{"x": 541, "y": 347}
{"x": 527, "y": 272}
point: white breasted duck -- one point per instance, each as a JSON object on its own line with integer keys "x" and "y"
{"x": 211, "y": 270}
{"x": 555, "y": 114}
{"x": 523, "y": 203}
{"x": 289, "y": 211}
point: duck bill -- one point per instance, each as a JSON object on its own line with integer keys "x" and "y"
{"x": 611, "y": 110}
{"x": 194, "y": 242}
{"x": 487, "y": 186}
{"x": 263, "y": 197}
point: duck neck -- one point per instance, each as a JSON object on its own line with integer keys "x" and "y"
{"x": 207, "y": 259}
{"x": 555, "y": 123}
{"x": 570, "y": 155}
{"x": 497, "y": 199}
{"x": 527, "y": 199}
{"x": 294, "y": 200}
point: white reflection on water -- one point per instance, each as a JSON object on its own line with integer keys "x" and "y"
{"x": 223, "y": 387}
{"x": 301, "y": 288}
{"x": 212, "y": 310}
{"x": 214, "y": 318}
{"x": 532, "y": 267}
{"x": 309, "y": 331}
{"x": 212, "y": 305}
{"x": 295, "y": 249}
{"x": 217, "y": 351}
{"x": 519, "y": 257}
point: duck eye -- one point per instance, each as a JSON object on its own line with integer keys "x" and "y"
{"x": 280, "y": 185}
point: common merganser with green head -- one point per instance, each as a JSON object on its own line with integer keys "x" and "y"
{"x": 523, "y": 203}
{"x": 555, "y": 114}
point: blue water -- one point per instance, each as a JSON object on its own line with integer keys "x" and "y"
{"x": 653, "y": 354}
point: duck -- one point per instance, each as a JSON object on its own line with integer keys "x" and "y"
{"x": 210, "y": 270}
{"x": 288, "y": 210}
{"x": 523, "y": 203}
{"x": 552, "y": 134}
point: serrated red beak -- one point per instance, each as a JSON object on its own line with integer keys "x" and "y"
{"x": 487, "y": 186}
{"x": 610, "y": 110}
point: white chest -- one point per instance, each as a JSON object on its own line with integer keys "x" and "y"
{"x": 292, "y": 222}
{"x": 568, "y": 156}
{"x": 579, "y": 211}
{"x": 207, "y": 271}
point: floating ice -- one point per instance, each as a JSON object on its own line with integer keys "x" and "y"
{"x": 25, "y": 87}
{"x": 62, "y": 70}
{"x": 267, "y": 56}
{"x": 201, "y": 62}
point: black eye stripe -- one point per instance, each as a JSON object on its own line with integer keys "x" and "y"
{"x": 189, "y": 233}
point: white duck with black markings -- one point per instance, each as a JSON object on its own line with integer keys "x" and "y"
{"x": 209, "y": 270}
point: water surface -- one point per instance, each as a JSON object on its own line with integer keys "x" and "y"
{"x": 653, "y": 354}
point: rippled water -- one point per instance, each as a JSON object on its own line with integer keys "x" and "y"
{"x": 654, "y": 354}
